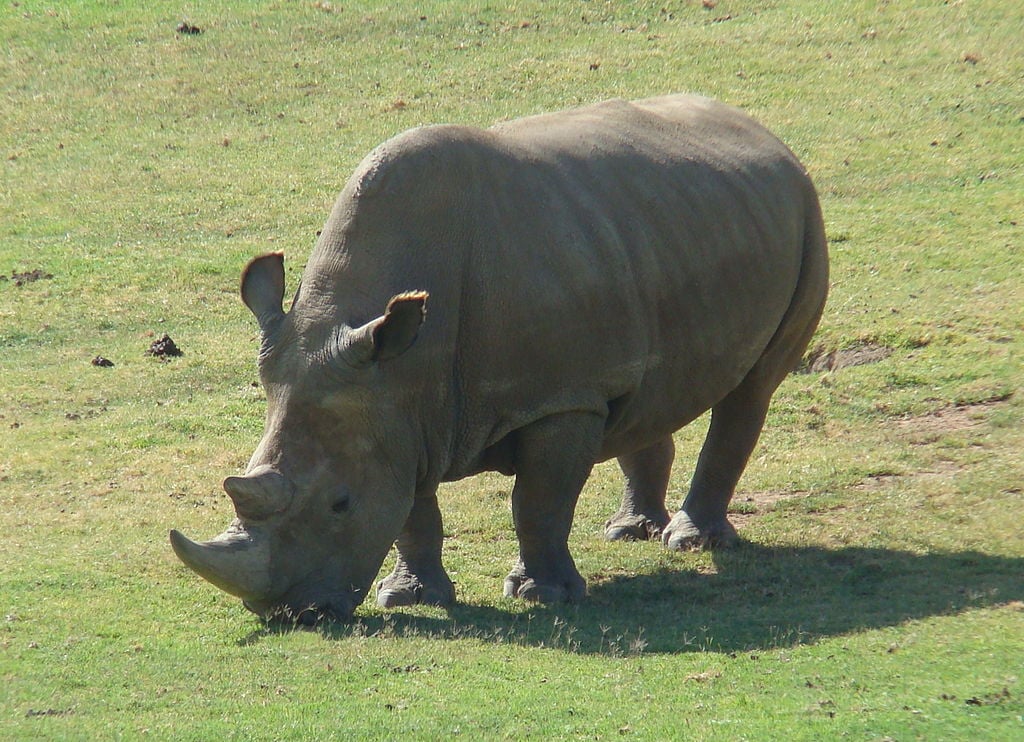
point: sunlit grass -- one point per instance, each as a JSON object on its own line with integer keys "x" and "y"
{"x": 877, "y": 593}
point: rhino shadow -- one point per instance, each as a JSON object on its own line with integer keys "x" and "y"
{"x": 759, "y": 598}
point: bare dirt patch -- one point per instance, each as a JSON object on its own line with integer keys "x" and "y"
{"x": 819, "y": 360}
{"x": 746, "y": 506}
{"x": 937, "y": 471}
{"x": 23, "y": 277}
{"x": 919, "y": 429}
{"x": 48, "y": 712}
{"x": 953, "y": 419}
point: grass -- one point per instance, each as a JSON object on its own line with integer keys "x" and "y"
{"x": 878, "y": 592}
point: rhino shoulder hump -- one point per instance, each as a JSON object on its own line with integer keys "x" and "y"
{"x": 408, "y": 156}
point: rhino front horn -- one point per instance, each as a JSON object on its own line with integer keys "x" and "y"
{"x": 237, "y": 561}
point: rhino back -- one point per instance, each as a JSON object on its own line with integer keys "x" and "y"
{"x": 633, "y": 259}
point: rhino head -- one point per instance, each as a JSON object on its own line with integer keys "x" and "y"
{"x": 332, "y": 481}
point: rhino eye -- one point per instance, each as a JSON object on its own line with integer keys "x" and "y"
{"x": 340, "y": 505}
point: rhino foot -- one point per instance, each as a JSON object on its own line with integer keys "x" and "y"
{"x": 682, "y": 534}
{"x": 563, "y": 587}
{"x": 642, "y": 527}
{"x": 402, "y": 587}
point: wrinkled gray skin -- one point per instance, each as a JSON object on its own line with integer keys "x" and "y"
{"x": 597, "y": 279}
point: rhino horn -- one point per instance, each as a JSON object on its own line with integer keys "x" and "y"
{"x": 260, "y": 493}
{"x": 237, "y": 561}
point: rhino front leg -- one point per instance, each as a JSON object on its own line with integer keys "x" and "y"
{"x": 642, "y": 514}
{"x": 419, "y": 576}
{"x": 736, "y": 424}
{"x": 553, "y": 458}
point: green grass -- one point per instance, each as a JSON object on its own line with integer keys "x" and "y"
{"x": 878, "y": 592}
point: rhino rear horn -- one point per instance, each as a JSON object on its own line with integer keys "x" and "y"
{"x": 263, "y": 289}
{"x": 260, "y": 493}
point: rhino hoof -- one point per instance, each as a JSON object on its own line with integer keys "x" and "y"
{"x": 308, "y": 618}
{"x": 399, "y": 590}
{"x": 528, "y": 589}
{"x": 634, "y": 528}
{"x": 682, "y": 534}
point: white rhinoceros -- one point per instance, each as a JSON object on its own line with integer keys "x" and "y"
{"x": 597, "y": 279}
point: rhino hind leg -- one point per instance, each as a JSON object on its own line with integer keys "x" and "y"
{"x": 418, "y": 576}
{"x": 736, "y": 421}
{"x": 642, "y": 514}
{"x": 553, "y": 458}
{"x": 736, "y": 424}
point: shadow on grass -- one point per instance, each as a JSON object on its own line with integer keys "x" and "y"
{"x": 761, "y": 598}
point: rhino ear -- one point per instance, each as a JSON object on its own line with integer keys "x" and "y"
{"x": 390, "y": 335}
{"x": 263, "y": 289}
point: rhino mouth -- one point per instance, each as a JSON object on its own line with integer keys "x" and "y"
{"x": 339, "y": 608}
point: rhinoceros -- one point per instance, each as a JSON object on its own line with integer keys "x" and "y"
{"x": 596, "y": 279}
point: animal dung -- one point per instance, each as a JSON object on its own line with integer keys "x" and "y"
{"x": 164, "y": 348}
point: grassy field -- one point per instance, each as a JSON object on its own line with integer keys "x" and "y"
{"x": 879, "y": 589}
